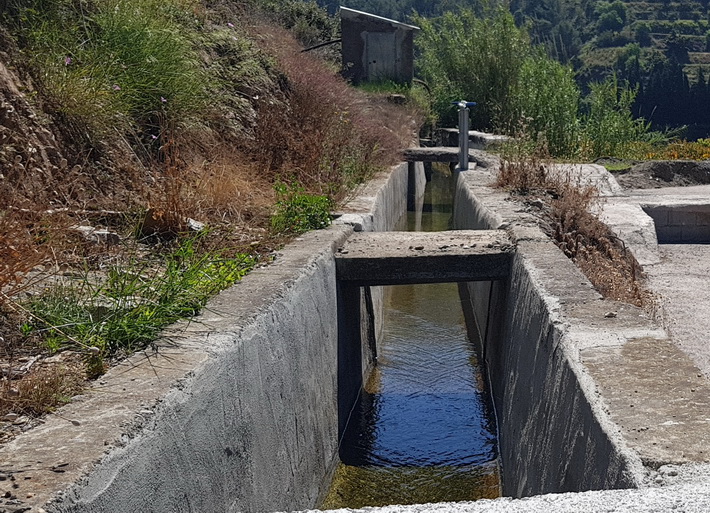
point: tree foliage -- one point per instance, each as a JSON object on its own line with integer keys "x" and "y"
{"x": 488, "y": 59}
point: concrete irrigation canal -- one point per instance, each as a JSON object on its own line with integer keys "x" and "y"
{"x": 423, "y": 428}
{"x": 599, "y": 405}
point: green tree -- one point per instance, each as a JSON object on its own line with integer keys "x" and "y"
{"x": 609, "y": 126}
{"x": 464, "y": 56}
{"x": 491, "y": 61}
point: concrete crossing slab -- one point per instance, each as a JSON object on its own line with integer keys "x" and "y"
{"x": 400, "y": 258}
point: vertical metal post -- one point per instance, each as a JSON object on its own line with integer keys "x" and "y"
{"x": 463, "y": 136}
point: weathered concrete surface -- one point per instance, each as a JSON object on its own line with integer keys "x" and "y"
{"x": 237, "y": 410}
{"x": 682, "y": 280}
{"x": 645, "y": 217}
{"x": 379, "y": 203}
{"x": 445, "y": 154}
{"x": 678, "y": 273}
{"x": 399, "y": 258}
{"x": 590, "y": 393}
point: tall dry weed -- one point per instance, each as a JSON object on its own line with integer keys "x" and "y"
{"x": 24, "y": 244}
{"x": 569, "y": 215}
{"x": 322, "y": 132}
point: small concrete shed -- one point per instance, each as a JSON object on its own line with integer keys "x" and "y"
{"x": 376, "y": 48}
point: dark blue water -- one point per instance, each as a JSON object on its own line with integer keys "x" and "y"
{"x": 423, "y": 430}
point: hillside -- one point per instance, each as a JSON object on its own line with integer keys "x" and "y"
{"x": 662, "y": 47}
{"x": 151, "y": 153}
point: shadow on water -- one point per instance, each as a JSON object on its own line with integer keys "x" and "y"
{"x": 422, "y": 430}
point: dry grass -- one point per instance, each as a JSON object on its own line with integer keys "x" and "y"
{"x": 25, "y": 238}
{"x": 41, "y": 389}
{"x": 590, "y": 244}
{"x": 569, "y": 215}
{"x": 322, "y": 132}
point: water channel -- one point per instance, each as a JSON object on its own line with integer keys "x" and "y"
{"x": 423, "y": 430}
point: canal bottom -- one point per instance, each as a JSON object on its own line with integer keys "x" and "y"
{"x": 422, "y": 430}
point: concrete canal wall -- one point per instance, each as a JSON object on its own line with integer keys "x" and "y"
{"x": 554, "y": 434}
{"x": 237, "y": 410}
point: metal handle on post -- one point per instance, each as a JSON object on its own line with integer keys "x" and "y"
{"x": 463, "y": 132}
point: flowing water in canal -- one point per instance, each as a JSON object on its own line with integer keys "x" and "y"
{"x": 423, "y": 430}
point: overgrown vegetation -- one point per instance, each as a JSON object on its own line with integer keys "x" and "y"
{"x": 490, "y": 60}
{"x": 153, "y": 132}
{"x": 568, "y": 210}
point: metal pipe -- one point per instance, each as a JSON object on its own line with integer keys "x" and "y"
{"x": 463, "y": 132}
{"x": 463, "y": 137}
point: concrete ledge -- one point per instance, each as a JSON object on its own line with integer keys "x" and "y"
{"x": 237, "y": 410}
{"x": 399, "y": 258}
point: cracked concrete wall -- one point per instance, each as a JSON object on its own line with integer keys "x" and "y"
{"x": 553, "y": 434}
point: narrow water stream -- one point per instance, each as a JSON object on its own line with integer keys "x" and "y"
{"x": 422, "y": 430}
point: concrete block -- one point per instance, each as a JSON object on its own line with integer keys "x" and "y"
{"x": 682, "y": 217}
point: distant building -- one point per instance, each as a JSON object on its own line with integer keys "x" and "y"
{"x": 376, "y": 48}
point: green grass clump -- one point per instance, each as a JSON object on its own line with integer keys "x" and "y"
{"x": 116, "y": 63}
{"x": 127, "y": 310}
{"x": 297, "y": 211}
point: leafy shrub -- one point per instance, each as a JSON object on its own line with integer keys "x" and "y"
{"x": 548, "y": 101}
{"x": 467, "y": 57}
{"x": 609, "y": 127}
{"x": 491, "y": 61}
{"x": 297, "y": 211}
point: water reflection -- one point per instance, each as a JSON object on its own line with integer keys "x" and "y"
{"x": 422, "y": 430}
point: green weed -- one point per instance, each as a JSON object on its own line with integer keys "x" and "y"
{"x": 298, "y": 212}
{"x": 126, "y": 310}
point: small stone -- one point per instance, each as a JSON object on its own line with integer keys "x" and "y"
{"x": 195, "y": 226}
{"x": 610, "y": 315}
{"x": 659, "y": 480}
{"x": 20, "y": 420}
{"x": 419, "y": 248}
